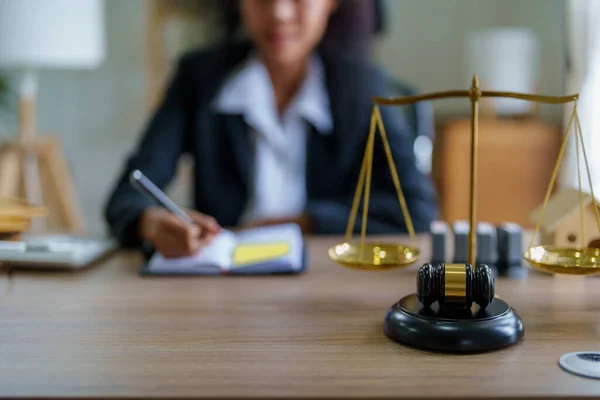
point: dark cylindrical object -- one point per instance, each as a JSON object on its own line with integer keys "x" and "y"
{"x": 457, "y": 285}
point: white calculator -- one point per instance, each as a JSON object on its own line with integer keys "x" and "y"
{"x": 55, "y": 251}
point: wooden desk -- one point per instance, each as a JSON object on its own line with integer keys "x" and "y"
{"x": 107, "y": 332}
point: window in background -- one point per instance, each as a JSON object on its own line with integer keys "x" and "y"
{"x": 174, "y": 27}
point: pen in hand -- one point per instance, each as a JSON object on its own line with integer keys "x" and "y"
{"x": 150, "y": 190}
{"x": 173, "y": 231}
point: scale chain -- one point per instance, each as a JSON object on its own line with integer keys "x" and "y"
{"x": 587, "y": 167}
{"x": 583, "y": 242}
{"x": 364, "y": 180}
{"x": 554, "y": 174}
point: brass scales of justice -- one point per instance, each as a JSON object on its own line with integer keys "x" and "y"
{"x": 455, "y": 308}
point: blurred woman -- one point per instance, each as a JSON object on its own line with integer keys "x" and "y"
{"x": 277, "y": 125}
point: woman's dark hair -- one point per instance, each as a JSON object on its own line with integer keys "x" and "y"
{"x": 230, "y": 18}
{"x": 351, "y": 28}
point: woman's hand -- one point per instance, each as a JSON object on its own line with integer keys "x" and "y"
{"x": 171, "y": 237}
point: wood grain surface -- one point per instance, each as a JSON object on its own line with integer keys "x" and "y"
{"x": 107, "y": 332}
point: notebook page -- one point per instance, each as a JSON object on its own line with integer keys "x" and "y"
{"x": 277, "y": 246}
{"x": 215, "y": 256}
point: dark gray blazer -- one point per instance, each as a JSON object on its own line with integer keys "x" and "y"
{"x": 221, "y": 148}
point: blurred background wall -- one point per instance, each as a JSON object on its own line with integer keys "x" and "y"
{"x": 99, "y": 114}
{"x": 426, "y": 42}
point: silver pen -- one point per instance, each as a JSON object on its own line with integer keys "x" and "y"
{"x": 143, "y": 185}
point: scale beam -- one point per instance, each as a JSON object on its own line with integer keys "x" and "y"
{"x": 400, "y": 101}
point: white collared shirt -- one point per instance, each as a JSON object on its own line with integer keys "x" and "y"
{"x": 279, "y": 186}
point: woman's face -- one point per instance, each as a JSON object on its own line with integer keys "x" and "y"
{"x": 286, "y": 31}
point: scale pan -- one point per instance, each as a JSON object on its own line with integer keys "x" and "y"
{"x": 373, "y": 256}
{"x": 564, "y": 260}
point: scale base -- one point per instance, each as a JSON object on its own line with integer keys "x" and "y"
{"x": 456, "y": 331}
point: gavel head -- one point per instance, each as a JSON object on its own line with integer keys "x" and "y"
{"x": 455, "y": 285}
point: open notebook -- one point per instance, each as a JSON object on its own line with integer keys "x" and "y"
{"x": 275, "y": 249}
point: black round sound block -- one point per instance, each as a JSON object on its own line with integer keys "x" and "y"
{"x": 453, "y": 330}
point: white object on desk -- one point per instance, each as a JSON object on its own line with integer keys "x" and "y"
{"x": 55, "y": 251}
